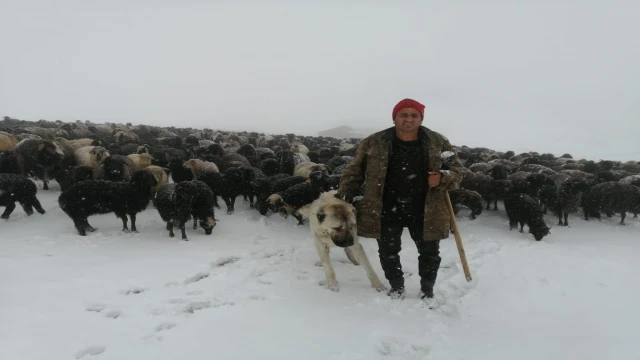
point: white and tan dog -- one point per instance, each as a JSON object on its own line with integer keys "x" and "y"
{"x": 333, "y": 223}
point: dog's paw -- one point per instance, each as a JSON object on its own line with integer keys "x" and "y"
{"x": 333, "y": 285}
{"x": 379, "y": 287}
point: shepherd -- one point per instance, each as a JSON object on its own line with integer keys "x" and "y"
{"x": 405, "y": 172}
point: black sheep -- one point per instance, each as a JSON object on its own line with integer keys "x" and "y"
{"x": 16, "y": 188}
{"x": 179, "y": 202}
{"x": 612, "y": 197}
{"x": 566, "y": 199}
{"x": 228, "y": 186}
{"x": 8, "y": 162}
{"x": 466, "y": 198}
{"x": 287, "y": 162}
{"x": 297, "y": 196}
{"x": 68, "y": 177}
{"x": 499, "y": 172}
{"x": 263, "y": 187}
{"x": 523, "y": 209}
{"x": 249, "y": 174}
{"x": 116, "y": 168}
{"x": 178, "y": 172}
{"x": 496, "y": 190}
{"x": 269, "y": 166}
{"x": 92, "y": 197}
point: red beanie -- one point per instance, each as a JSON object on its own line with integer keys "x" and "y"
{"x": 407, "y": 103}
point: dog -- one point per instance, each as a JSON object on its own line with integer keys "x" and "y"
{"x": 333, "y": 223}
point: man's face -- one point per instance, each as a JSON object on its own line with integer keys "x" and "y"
{"x": 408, "y": 120}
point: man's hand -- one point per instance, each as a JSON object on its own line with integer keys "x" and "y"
{"x": 434, "y": 178}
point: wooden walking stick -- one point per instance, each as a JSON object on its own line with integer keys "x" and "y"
{"x": 456, "y": 233}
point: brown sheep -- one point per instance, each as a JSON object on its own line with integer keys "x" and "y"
{"x": 199, "y": 167}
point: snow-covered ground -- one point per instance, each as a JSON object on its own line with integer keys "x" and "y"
{"x": 251, "y": 290}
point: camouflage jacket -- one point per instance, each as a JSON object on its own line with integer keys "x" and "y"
{"x": 369, "y": 171}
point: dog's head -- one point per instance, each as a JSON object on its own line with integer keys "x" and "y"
{"x": 333, "y": 218}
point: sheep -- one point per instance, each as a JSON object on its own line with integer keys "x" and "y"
{"x": 287, "y": 162}
{"x": 269, "y": 166}
{"x": 38, "y": 156}
{"x": 78, "y": 143}
{"x": 264, "y": 187}
{"x": 531, "y": 185}
{"x": 178, "y": 172}
{"x": 199, "y": 167}
{"x": 228, "y": 186}
{"x": 249, "y": 152}
{"x": 467, "y": 198}
{"x": 339, "y": 170}
{"x": 306, "y": 168}
{"x": 297, "y": 196}
{"x": 160, "y": 174}
{"x": 567, "y": 198}
{"x": 249, "y": 174}
{"x": 8, "y": 162}
{"x": 499, "y": 172}
{"x": 612, "y": 197}
{"x": 179, "y": 202}
{"x": 632, "y": 179}
{"x": 91, "y": 156}
{"x": 7, "y": 141}
{"x": 116, "y": 168}
{"x": 523, "y": 209}
{"x": 480, "y": 167}
{"x": 141, "y": 161}
{"x": 91, "y": 197}
{"x": 536, "y": 169}
{"x": 496, "y": 190}
{"x": 18, "y": 188}
{"x": 233, "y": 160}
{"x": 70, "y": 176}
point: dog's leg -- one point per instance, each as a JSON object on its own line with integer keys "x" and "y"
{"x": 358, "y": 251}
{"x": 323, "y": 253}
{"x": 352, "y": 257}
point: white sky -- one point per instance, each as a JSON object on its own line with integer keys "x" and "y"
{"x": 558, "y": 76}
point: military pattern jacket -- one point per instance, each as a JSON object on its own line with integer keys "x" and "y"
{"x": 368, "y": 171}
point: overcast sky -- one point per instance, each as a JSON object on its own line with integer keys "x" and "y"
{"x": 563, "y": 76}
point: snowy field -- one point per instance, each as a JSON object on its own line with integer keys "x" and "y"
{"x": 251, "y": 290}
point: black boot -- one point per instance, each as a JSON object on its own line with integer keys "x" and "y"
{"x": 397, "y": 288}
{"x": 428, "y": 265}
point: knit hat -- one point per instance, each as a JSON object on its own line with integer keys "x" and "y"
{"x": 407, "y": 103}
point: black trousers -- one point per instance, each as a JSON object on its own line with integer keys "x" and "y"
{"x": 390, "y": 244}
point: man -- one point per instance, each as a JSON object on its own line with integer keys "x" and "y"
{"x": 404, "y": 173}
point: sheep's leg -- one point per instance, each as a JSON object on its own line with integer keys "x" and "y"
{"x": 215, "y": 201}
{"x": 635, "y": 215}
{"x": 473, "y": 216}
{"x": 28, "y": 209}
{"x": 560, "y": 218}
{"x": 521, "y": 227}
{"x": 184, "y": 233}
{"x": 566, "y": 218}
{"x": 251, "y": 206}
{"x": 170, "y": 228}
{"x": 227, "y": 200}
{"x": 623, "y": 214}
{"x": 488, "y": 204}
{"x": 544, "y": 210}
{"x": 88, "y": 227}
{"x": 125, "y": 228}
{"x": 36, "y": 204}
{"x": 233, "y": 203}
{"x": 133, "y": 222}
{"x": 8, "y": 210}
{"x": 195, "y": 221}
{"x": 495, "y": 205}
{"x": 79, "y": 224}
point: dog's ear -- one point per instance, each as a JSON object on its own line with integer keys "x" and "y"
{"x": 305, "y": 211}
{"x": 321, "y": 216}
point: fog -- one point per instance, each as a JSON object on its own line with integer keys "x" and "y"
{"x": 556, "y": 77}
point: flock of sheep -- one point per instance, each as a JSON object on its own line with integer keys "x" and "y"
{"x": 115, "y": 168}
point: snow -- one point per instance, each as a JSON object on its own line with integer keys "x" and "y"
{"x": 252, "y": 290}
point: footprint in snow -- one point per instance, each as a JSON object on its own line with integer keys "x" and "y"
{"x": 398, "y": 347}
{"x": 96, "y": 308}
{"x": 164, "y": 326}
{"x": 195, "y": 278}
{"x": 225, "y": 261}
{"x": 201, "y": 305}
{"x": 113, "y": 314}
{"x": 90, "y": 351}
{"x": 134, "y": 291}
